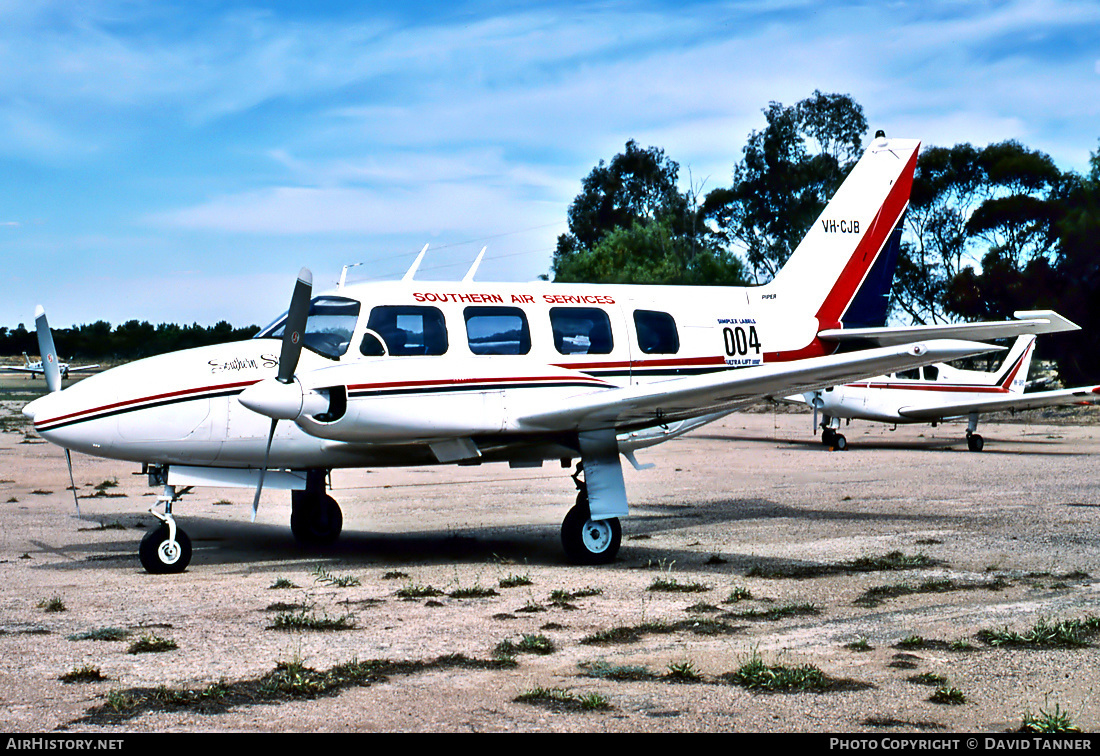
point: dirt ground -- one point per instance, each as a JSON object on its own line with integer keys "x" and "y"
{"x": 1004, "y": 539}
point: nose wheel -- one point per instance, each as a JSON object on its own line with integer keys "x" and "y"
{"x": 165, "y": 549}
{"x": 163, "y": 554}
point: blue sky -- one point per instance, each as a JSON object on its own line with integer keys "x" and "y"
{"x": 181, "y": 161}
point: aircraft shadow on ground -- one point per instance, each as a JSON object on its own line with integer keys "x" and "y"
{"x": 221, "y": 542}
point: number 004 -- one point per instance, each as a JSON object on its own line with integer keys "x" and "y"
{"x": 739, "y": 341}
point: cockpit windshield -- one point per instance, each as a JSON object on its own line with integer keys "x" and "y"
{"x": 329, "y": 326}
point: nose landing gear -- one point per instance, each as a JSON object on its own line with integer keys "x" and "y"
{"x": 165, "y": 549}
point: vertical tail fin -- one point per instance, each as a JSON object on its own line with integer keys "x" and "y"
{"x": 842, "y": 270}
{"x": 1013, "y": 373}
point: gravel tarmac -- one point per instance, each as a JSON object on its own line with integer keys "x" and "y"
{"x": 885, "y": 571}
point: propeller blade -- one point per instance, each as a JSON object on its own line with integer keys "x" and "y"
{"x": 295, "y": 326}
{"x": 263, "y": 470}
{"x": 69, "y": 462}
{"x": 46, "y": 349}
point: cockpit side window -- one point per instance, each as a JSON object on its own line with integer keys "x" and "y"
{"x": 656, "y": 332}
{"x": 329, "y": 326}
{"x": 497, "y": 330}
{"x": 407, "y": 330}
{"x": 581, "y": 330}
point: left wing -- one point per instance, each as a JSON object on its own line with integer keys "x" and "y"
{"x": 662, "y": 402}
{"x": 19, "y": 369}
{"x": 1080, "y": 395}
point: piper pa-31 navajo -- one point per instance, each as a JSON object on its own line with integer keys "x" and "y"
{"x": 414, "y": 373}
{"x": 939, "y": 392}
{"x": 36, "y": 368}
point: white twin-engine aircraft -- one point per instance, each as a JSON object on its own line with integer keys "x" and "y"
{"x": 36, "y": 368}
{"x": 940, "y": 392}
{"x": 415, "y": 373}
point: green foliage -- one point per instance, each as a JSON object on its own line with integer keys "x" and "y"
{"x": 1048, "y": 721}
{"x": 151, "y": 643}
{"x": 632, "y": 224}
{"x": 560, "y": 699}
{"x": 755, "y": 674}
{"x": 84, "y": 674}
{"x": 130, "y": 340}
{"x": 788, "y": 172}
{"x": 1046, "y": 633}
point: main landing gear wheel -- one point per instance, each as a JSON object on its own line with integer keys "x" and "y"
{"x": 161, "y": 556}
{"x": 974, "y": 442}
{"x": 588, "y": 541}
{"x": 834, "y": 440}
{"x": 315, "y": 521}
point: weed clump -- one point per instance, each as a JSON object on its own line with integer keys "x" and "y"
{"x": 560, "y": 699}
{"x": 83, "y": 674}
{"x": 151, "y": 643}
{"x": 1048, "y": 721}
{"x": 1071, "y": 633}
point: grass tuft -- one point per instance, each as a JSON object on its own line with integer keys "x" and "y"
{"x": 150, "y": 643}
{"x": 671, "y": 585}
{"x": 102, "y": 634}
{"x": 528, "y": 644}
{"x": 323, "y": 576}
{"x": 1071, "y": 633}
{"x": 84, "y": 674}
{"x": 514, "y": 581}
{"x": 949, "y": 696}
{"x": 560, "y": 699}
{"x": 1048, "y": 721}
{"x": 620, "y": 672}
{"x": 54, "y": 604}
{"x": 304, "y": 619}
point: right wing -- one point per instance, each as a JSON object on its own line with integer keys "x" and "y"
{"x": 1079, "y": 395}
{"x": 659, "y": 403}
{"x": 1029, "y": 321}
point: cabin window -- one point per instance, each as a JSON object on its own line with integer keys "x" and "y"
{"x": 581, "y": 330}
{"x": 328, "y": 328}
{"x": 931, "y": 373}
{"x": 407, "y": 330}
{"x": 497, "y": 330}
{"x": 910, "y": 375}
{"x": 656, "y": 332}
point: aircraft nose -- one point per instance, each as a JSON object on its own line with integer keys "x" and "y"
{"x": 36, "y": 407}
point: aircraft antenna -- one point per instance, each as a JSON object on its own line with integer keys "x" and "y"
{"x": 416, "y": 264}
{"x": 344, "y": 275}
{"x": 473, "y": 268}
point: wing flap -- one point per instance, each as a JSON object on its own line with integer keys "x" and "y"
{"x": 1080, "y": 395}
{"x": 662, "y": 402}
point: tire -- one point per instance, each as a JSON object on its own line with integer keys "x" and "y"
{"x": 315, "y": 523}
{"x": 588, "y": 541}
{"x": 158, "y": 558}
{"x": 975, "y": 443}
{"x": 828, "y": 436}
{"x": 840, "y": 443}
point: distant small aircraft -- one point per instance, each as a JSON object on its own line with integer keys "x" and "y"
{"x": 410, "y": 372}
{"x": 938, "y": 392}
{"x": 35, "y": 368}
